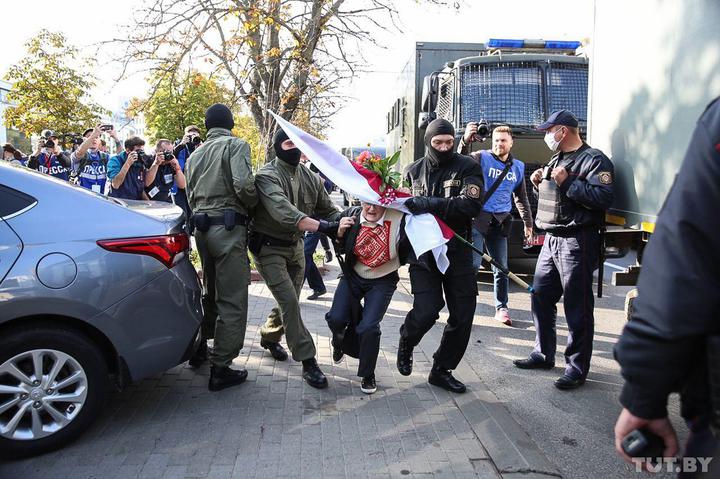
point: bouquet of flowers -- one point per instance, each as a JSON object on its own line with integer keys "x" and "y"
{"x": 391, "y": 179}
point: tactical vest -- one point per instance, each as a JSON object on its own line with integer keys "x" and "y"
{"x": 554, "y": 208}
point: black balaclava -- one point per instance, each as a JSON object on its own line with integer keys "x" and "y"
{"x": 291, "y": 157}
{"x": 435, "y": 128}
{"x": 219, "y": 116}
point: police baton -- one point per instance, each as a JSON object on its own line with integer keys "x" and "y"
{"x": 490, "y": 260}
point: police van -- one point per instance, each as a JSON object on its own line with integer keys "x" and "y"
{"x": 505, "y": 82}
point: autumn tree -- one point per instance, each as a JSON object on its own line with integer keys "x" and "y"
{"x": 48, "y": 89}
{"x": 281, "y": 55}
{"x": 178, "y": 101}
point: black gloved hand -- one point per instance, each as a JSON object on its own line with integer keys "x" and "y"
{"x": 328, "y": 256}
{"x": 329, "y": 228}
{"x": 424, "y": 204}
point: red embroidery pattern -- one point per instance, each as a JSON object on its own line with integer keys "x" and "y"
{"x": 372, "y": 247}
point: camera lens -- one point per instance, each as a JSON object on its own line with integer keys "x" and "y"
{"x": 196, "y": 140}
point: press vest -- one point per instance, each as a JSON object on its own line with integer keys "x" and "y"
{"x": 93, "y": 173}
{"x": 51, "y": 165}
{"x": 501, "y": 199}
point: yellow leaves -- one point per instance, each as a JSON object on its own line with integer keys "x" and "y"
{"x": 274, "y": 52}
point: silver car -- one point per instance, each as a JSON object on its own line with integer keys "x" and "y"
{"x": 93, "y": 290}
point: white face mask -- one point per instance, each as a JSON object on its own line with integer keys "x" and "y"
{"x": 550, "y": 140}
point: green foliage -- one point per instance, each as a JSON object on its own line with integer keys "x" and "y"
{"x": 48, "y": 92}
{"x": 246, "y": 129}
{"x": 178, "y": 101}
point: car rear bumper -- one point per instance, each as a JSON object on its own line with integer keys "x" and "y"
{"x": 153, "y": 328}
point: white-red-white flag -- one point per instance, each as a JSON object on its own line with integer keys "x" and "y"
{"x": 425, "y": 232}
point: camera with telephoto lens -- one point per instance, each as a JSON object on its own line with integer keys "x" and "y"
{"x": 196, "y": 140}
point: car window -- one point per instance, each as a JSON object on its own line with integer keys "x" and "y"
{"x": 12, "y": 201}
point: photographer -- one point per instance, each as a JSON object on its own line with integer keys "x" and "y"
{"x": 90, "y": 163}
{"x": 49, "y": 158}
{"x": 182, "y": 151}
{"x": 164, "y": 173}
{"x": 127, "y": 171}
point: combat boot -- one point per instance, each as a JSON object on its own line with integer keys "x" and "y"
{"x": 313, "y": 375}
{"x": 222, "y": 377}
{"x": 200, "y": 355}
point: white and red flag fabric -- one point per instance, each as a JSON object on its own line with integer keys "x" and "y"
{"x": 425, "y": 232}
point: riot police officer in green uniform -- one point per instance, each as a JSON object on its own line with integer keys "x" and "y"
{"x": 221, "y": 193}
{"x": 290, "y": 198}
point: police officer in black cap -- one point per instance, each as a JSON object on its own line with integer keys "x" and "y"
{"x": 448, "y": 185}
{"x": 574, "y": 190}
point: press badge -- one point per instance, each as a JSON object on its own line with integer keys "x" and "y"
{"x": 96, "y": 189}
{"x": 153, "y": 192}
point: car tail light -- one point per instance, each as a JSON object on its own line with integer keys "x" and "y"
{"x": 163, "y": 248}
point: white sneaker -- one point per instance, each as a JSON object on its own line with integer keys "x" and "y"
{"x": 503, "y": 316}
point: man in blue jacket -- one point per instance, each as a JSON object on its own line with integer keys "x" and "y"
{"x": 574, "y": 190}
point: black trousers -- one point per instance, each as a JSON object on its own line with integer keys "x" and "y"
{"x": 565, "y": 269}
{"x": 460, "y": 289}
{"x": 377, "y": 293}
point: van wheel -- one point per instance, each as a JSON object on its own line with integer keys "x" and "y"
{"x": 52, "y": 385}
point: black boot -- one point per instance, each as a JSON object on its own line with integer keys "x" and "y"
{"x": 224, "y": 377}
{"x": 312, "y": 374}
{"x": 404, "y": 357}
{"x": 276, "y": 350}
{"x": 444, "y": 379}
{"x": 200, "y": 355}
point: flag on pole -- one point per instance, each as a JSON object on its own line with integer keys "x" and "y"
{"x": 425, "y": 232}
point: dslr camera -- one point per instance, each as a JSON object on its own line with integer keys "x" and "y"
{"x": 483, "y": 129}
{"x": 196, "y": 140}
{"x": 168, "y": 156}
{"x": 143, "y": 158}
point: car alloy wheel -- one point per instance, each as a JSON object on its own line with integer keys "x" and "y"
{"x": 41, "y": 392}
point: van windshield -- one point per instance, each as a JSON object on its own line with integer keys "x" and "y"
{"x": 513, "y": 92}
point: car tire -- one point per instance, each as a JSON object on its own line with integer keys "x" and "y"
{"x": 49, "y": 418}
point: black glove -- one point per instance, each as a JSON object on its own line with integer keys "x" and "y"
{"x": 328, "y": 228}
{"x": 328, "y": 256}
{"x": 425, "y": 204}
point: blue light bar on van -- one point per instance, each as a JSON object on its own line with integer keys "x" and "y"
{"x": 505, "y": 43}
{"x": 562, "y": 45}
{"x": 550, "y": 44}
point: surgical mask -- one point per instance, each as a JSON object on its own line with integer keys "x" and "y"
{"x": 550, "y": 140}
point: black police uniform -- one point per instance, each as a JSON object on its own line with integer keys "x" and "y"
{"x": 453, "y": 185}
{"x": 571, "y": 215}
{"x": 677, "y": 311}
